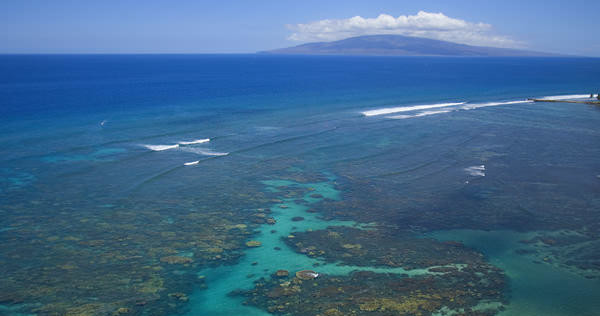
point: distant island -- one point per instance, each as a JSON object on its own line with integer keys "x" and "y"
{"x": 399, "y": 45}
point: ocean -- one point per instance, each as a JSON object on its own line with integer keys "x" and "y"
{"x": 298, "y": 185}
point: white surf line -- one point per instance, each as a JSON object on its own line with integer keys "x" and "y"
{"x": 184, "y": 143}
{"x": 466, "y": 106}
{"x": 383, "y": 111}
{"x": 197, "y": 141}
{"x": 161, "y": 147}
{"x": 202, "y": 151}
{"x": 566, "y": 97}
{"x": 424, "y": 113}
{"x": 482, "y": 105}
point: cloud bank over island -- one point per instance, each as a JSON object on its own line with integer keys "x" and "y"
{"x": 424, "y": 24}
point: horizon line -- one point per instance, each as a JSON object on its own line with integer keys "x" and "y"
{"x": 267, "y": 53}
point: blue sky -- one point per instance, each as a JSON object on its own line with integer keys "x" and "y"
{"x": 157, "y": 26}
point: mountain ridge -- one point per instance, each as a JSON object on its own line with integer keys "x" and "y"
{"x": 400, "y": 45}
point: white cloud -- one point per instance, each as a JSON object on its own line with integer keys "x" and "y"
{"x": 423, "y": 24}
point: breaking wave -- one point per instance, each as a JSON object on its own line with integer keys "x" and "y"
{"x": 482, "y": 105}
{"x": 477, "y": 171}
{"x": 408, "y": 108}
{"x": 175, "y": 146}
{"x": 424, "y": 113}
{"x": 197, "y": 141}
{"x": 448, "y": 107}
{"x": 192, "y": 163}
{"x": 161, "y": 147}
{"x": 203, "y": 151}
{"x": 566, "y": 97}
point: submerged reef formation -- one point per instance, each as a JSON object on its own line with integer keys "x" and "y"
{"x": 569, "y": 250}
{"x": 484, "y": 203}
{"x": 121, "y": 261}
{"x": 306, "y": 275}
{"x": 379, "y": 247}
{"x": 83, "y": 253}
{"x": 452, "y": 278}
{"x": 467, "y": 291}
{"x": 253, "y": 243}
{"x": 396, "y": 272}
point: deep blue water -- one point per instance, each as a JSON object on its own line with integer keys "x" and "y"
{"x": 55, "y": 85}
{"x": 77, "y": 133}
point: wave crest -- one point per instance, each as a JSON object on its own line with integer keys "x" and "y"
{"x": 197, "y": 141}
{"x": 482, "y": 105}
{"x": 202, "y": 151}
{"x": 477, "y": 171}
{"x": 424, "y": 113}
{"x": 408, "y": 108}
{"x": 566, "y": 97}
{"x": 161, "y": 147}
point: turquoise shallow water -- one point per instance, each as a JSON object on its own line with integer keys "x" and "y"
{"x": 264, "y": 261}
{"x": 536, "y": 288}
{"x": 102, "y": 172}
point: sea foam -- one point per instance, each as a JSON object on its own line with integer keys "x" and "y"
{"x": 197, "y": 141}
{"x": 465, "y": 106}
{"x": 192, "y": 163}
{"x": 408, "y": 108}
{"x": 482, "y": 105}
{"x": 566, "y": 97}
{"x": 161, "y": 147}
{"x": 184, "y": 143}
{"x": 476, "y": 170}
{"x": 424, "y": 113}
{"x": 202, "y": 151}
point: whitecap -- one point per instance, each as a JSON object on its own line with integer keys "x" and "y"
{"x": 408, "y": 108}
{"x": 197, "y": 141}
{"x": 424, "y": 113}
{"x": 566, "y": 97}
{"x": 476, "y": 170}
{"x": 212, "y": 153}
{"x": 161, "y": 147}
{"x": 192, "y": 163}
{"x": 202, "y": 151}
{"x": 482, "y": 105}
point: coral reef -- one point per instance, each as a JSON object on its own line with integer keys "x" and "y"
{"x": 306, "y": 275}
{"x": 571, "y": 250}
{"x": 253, "y": 243}
{"x": 379, "y": 247}
{"x": 120, "y": 261}
{"x": 369, "y": 293}
{"x": 176, "y": 260}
